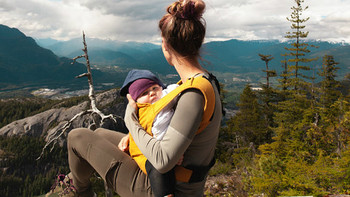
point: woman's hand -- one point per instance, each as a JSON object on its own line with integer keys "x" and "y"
{"x": 180, "y": 161}
{"x": 124, "y": 144}
{"x": 131, "y": 101}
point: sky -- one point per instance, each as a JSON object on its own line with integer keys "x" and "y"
{"x": 137, "y": 20}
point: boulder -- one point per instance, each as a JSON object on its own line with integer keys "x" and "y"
{"x": 48, "y": 122}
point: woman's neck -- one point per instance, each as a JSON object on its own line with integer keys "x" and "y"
{"x": 187, "y": 68}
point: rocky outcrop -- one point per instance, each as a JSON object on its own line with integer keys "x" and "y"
{"x": 47, "y": 122}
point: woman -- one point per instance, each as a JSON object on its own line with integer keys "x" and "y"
{"x": 182, "y": 31}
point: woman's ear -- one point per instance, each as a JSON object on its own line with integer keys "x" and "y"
{"x": 167, "y": 52}
{"x": 165, "y": 46}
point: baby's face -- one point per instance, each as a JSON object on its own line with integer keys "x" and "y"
{"x": 150, "y": 95}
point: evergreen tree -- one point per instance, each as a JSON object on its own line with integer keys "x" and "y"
{"x": 297, "y": 63}
{"x": 332, "y": 109}
{"x": 247, "y": 126}
{"x": 269, "y": 73}
{"x": 294, "y": 113}
{"x": 329, "y": 85}
{"x": 284, "y": 75}
{"x": 245, "y": 131}
{"x": 268, "y": 95}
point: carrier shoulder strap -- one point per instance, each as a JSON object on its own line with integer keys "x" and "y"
{"x": 148, "y": 112}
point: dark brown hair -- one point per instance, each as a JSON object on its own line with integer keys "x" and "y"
{"x": 183, "y": 27}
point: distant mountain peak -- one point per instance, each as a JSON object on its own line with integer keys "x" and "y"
{"x": 10, "y": 33}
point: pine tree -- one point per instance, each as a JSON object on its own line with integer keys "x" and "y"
{"x": 268, "y": 95}
{"x": 297, "y": 63}
{"x": 247, "y": 126}
{"x": 284, "y": 75}
{"x": 329, "y": 85}
{"x": 331, "y": 107}
{"x": 269, "y": 73}
{"x": 294, "y": 113}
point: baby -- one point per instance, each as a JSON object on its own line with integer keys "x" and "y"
{"x": 144, "y": 87}
{"x": 146, "y": 90}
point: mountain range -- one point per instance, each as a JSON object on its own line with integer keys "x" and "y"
{"x": 235, "y": 56}
{"x": 116, "y": 53}
{"x": 22, "y": 61}
{"x": 47, "y": 62}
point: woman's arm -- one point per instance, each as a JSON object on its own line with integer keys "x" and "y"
{"x": 164, "y": 154}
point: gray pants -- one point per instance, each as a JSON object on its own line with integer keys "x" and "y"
{"x": 97, "y": 151}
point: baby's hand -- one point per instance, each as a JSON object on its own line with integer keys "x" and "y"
{"x": 124, "y": 143}
{"x": 180, "y": 161}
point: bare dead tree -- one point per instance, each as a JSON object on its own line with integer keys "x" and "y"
{"x": 53, "y": 138}
{"x": 92, "y": 96}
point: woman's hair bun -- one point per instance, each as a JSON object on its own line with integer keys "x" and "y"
{"x": 199, "y": 7}
{"x": 187, "y": 9}
{"x": 183, "y": 27}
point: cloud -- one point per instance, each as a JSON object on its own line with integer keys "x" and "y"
{"x": 6, "y": 6}
{"x": 150, "y": 9}
{"x": 247, "y": 20}
{"x": 137, "y": 19}
{"x": 257, "y": 19}
{"x": 329, "y": 20}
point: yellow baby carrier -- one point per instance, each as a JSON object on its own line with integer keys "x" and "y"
{"x": 148, "y": 112}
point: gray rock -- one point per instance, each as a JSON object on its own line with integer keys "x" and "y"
{"x": 48, "y": 122}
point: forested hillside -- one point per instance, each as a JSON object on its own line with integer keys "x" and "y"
{"x": 21, "y": 173}
{"x": 291, "y": 138}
